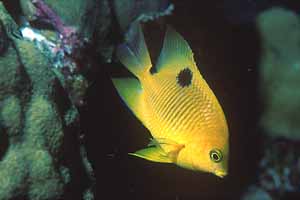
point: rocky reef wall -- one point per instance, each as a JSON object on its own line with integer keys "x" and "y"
{"x": 43, "y": 79}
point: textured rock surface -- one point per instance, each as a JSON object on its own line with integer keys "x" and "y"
{"x": 87, "y": 32}
{"x": 37, "y": 123}
{"x": 100, "y": 20}
{"x": 139, "y": 10}
{"x": 41, "y": 155}
{"x": 72, "y": 11}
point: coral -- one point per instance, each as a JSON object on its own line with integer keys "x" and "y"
{"x": 280, "y": 66}
{"x": 62, "y": 50}
{"x": 256, "y": 193}
{"x": 279, "y": 168}
{"x": 76, "y": 26}
{"x": 139, "y": 10}
{"x": 45, "y": 13}
{"x": 37, "y": 120}
{"x": 43, "y": 82}
{"x": 125, "y": 12}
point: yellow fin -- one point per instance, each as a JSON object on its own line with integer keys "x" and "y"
{"x": 130, "y": 90}
{"x": 160, "y": 150}
{"x": 162, "y": 141}
{"x": 175, "y": 54}
{"x": 134, "y": 53}
{"x": 155, "y": 154}
{"x": 169, "y": 146}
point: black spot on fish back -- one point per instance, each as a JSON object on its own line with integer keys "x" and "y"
{"x": 184, "y": 77}
{"x": 153, "y": 70}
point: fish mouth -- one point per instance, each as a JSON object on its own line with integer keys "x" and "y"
{"x": 220, "y": 174}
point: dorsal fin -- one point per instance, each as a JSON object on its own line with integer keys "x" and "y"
{"x": 134, "y": 53}
{"x": 176, "y": 53}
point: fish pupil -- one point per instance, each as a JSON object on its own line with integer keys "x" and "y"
{"x": 215, "y": 156}
{"x": 184, "y": 77}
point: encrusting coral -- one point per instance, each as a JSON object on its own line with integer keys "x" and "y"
{"x": 37, "y": 119}
{"x": 279, "y": 169}
{"x": 42, "y": 83}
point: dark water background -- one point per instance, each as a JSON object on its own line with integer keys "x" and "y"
{"x": 226, "y": 46}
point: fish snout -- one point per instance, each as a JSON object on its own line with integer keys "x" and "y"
{"x": 220, "y": 173}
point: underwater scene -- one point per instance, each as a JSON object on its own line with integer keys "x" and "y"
{"x": 149, "y": 100}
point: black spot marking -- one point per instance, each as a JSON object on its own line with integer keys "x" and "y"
{"x": 153, "y": 70}
{"x": 184, "y": 77}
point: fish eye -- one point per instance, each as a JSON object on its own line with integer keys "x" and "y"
{"x": 215, "y": 155}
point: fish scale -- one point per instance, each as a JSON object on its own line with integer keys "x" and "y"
{"x": 174, "y": 111}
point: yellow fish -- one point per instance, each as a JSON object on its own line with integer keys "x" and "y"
{"x": 175, "y": 103}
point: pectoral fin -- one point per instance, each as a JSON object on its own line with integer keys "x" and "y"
{"x": 160, "y": 150}
{"x": 155, "y": 154}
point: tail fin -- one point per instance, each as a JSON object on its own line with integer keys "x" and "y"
{"x": 134, "y": 53}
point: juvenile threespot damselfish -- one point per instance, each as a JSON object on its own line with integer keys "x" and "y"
{"x": 175, "y": 103}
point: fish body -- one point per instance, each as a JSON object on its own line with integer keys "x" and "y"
{"x": 181, "y": 112}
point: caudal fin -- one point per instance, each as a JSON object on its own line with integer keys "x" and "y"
{"x": 134, "y": 53}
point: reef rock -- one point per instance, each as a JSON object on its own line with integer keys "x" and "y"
{"x": 42, "y": 82}
{"x": 40, "y": 155}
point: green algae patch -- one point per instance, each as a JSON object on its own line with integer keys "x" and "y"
{"x": 44, "y": 127}
{"x": 11, "y": 115}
